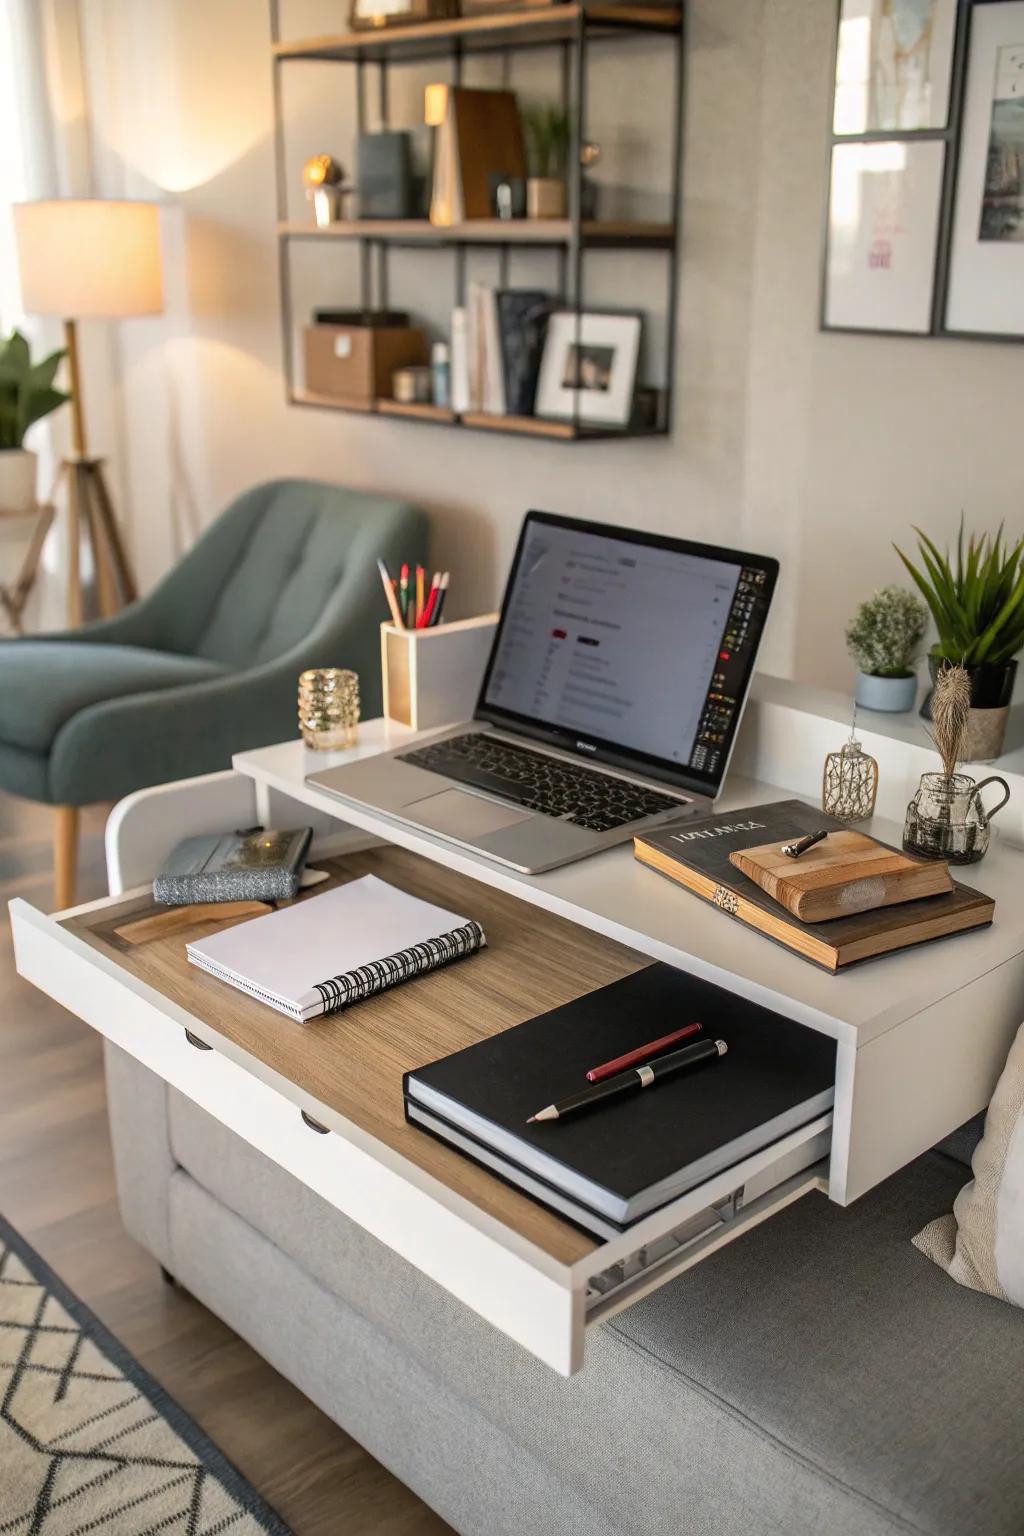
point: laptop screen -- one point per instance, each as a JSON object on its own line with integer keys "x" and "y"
{"x": 629, "y": 648}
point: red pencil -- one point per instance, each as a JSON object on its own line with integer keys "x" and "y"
{"x": 641, "y": 1054}
{"x": 428, "y": 607}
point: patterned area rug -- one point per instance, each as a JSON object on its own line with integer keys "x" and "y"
{"x": 88, "y": 1441}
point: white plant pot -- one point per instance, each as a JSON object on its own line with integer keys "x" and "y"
{"x": 889, "y": 695}
{"x": 18, "y": 471}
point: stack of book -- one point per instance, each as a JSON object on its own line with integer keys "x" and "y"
{"x": 848, "y": 898}
{"x": 497, "y": 341}
{"x": 617, "y": 1161}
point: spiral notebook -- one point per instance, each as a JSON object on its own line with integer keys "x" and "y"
{"x": 335, "y": 949}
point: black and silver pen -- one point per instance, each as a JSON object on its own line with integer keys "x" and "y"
{"x": 635, "y": 1079}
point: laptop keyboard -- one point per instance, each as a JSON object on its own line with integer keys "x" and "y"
{"x": 548, "y": 785}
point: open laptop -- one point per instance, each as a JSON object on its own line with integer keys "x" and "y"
{"x": 610, "y": 702}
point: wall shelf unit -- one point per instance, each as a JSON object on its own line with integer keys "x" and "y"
{"x": 570, "y": 28}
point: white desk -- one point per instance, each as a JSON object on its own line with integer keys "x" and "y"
{"x": 921, "y": 1037}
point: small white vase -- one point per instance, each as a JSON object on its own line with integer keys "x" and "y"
{"x": 890, "y": 695}
{"x": 18, "y": 469}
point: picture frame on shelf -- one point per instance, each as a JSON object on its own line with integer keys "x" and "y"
{"x": 589, "y": 366}
{"x": 985, "y": 284}
{"x": 894, "y": 66}
{"x": 373, "y": 15}
{"x": 884, "y": 214}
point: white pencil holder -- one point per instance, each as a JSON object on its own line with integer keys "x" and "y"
{"x": 432, "y": 677}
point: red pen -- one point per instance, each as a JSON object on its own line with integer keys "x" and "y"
{"x": 641, "y": 1054}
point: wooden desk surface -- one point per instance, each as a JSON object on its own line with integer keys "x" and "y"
{"x": 353, "y": 1062}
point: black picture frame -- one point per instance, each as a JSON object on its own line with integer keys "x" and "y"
{"x": 951, "y": 136}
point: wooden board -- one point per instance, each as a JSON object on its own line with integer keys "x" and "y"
{"x": 503, "y": 29}
{"x": 847, "y": 872}
{"x": 353, "y": 1062}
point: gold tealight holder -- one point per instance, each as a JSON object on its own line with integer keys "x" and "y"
{"x": 328, "y": 708}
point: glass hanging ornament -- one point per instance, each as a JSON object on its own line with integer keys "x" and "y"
{"x": 849, "y": 784}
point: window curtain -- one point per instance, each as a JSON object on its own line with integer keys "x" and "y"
{"x": 32, "y": 159}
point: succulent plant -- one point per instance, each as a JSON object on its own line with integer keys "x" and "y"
{"x": 884, "y": 636}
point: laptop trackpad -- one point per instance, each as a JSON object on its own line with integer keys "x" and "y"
{"x": 460, "y": 815}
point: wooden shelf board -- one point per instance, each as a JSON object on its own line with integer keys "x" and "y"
{"x": 475, "y": 421}
{"x": 525, "y": 426}
{"x": 333, "y": 402}
{"x": 510, "y": 29}
{"x": 417, "y": 411}
{"x": 486, "y": 231}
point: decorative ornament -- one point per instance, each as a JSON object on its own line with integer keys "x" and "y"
{"x": 322, "y": 178}
{"x": 849, "y": 785}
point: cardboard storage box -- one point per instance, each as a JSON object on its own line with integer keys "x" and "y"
{"x": 356, "y": 362}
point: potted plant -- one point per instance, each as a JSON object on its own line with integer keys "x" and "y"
{"x": 26, "y": 396}
{"x": 547, "y": 156}
{"x": 884, "y": 638}
{"x": 977, "y": 602}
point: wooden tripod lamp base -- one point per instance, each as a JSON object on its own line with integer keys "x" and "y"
{"x": 98, "y": 260}
{"x": 90, "y": 510}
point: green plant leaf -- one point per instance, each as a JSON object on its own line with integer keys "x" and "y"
{"x": 43, "y": 374}
{"x": 41, "y": 403}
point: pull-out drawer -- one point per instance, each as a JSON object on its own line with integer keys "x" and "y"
{"x": 324, "y": 1101}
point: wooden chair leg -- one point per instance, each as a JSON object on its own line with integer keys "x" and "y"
{"x": 65, "y": 855}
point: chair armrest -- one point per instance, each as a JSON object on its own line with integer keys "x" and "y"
{"x": 134, "y": 625}
{"x": 113, "y": 748}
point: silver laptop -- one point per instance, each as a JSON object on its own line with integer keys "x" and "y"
{"x": 609, "y": 705}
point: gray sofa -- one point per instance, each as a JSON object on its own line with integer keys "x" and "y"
{"x": 819, "y": 1377}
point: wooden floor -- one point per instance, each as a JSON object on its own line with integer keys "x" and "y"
{"x": 57, "y": 1189}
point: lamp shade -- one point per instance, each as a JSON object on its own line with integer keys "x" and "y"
{"x": 83, "y": 258}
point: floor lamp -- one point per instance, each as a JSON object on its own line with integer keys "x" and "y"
{"x": 89, "y": 259}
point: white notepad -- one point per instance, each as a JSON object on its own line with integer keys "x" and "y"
{"x": 332, "y": 950}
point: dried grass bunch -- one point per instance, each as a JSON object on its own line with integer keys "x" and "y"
{"x": 951, "y": 710}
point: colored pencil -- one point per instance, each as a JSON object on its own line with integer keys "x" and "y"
{"x": 431, "y": 603}
{"x": 389, "y": 592}
{"x": 442, "y": 593}
{"x": 403, "y": 595}
{"x": 420, "y": 575}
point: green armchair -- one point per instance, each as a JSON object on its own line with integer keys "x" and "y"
{"x": 207, "y": 664}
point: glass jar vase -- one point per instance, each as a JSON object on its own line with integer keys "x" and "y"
{"x": 947, "y": 820}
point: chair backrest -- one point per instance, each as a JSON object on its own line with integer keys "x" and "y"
{"x": 290, "y": 542}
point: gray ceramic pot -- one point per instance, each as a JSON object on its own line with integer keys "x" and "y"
{"x": 892, "y": 695}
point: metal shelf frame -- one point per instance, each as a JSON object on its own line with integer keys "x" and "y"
{"x": 574, "y": 28}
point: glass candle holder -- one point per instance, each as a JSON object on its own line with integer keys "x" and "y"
{"x": 849, "y": 784}
{"x": 328, "y": 708}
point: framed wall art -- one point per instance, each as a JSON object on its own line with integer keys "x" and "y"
{"x": 883, "y": 220}
{"x": 924, "y": 222}
{"x": 985, "y": 288}
{"x": 894, "y": 65}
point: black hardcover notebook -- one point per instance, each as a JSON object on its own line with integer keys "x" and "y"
{"x": 624, "y": 1159}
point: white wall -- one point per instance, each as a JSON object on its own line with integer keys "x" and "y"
{"x": 818, "y": 448}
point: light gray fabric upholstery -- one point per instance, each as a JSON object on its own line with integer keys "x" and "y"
{"x": 454, "y": 1458}
{"x": 819, "y": 1376}
{"x": 139, "y": 1133}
